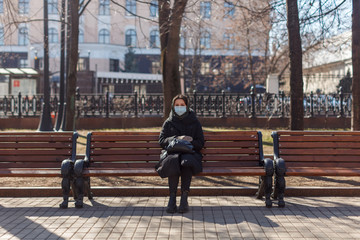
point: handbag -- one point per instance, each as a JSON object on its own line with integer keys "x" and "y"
{"x": 180, "y": 146}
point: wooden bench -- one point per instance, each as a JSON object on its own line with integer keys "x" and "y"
{"x": 314, "y": 153}
{"x": 230, "y": 153}
{"x": 35, "y": 154}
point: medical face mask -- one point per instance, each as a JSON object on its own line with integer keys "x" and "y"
{"x": 180, "y": 110}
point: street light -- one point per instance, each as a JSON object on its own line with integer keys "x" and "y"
{"x": 45, "y": 119}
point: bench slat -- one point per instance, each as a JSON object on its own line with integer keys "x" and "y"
{"x": 35, "y": 152}
{"x": 42, "y": 158}
{"x": 312, "y": 133}
{"x": 151, "y": 172}
{"x": 338, "y": 152}
{"x": 126, "y": 138}
{"x": 327, "y": 145}
{"x": 225, "y": 144}
{"x": 36, "y": 138}
{"x": 324, "y": 138}
{"x": 127, "y": 158}
{"x": 146, "y": 144}
{"x": 307, "y": 171}
{"x": 309, "y": 158}
{"x": 324, "y": 164}
{"x": 30, "y": 172}
{"x": 55, "y": 164}
{"x": 58, "y": 145}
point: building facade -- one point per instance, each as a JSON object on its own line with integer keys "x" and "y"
{"x": 123, "y": 36}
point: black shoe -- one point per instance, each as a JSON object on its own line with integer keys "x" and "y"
{"x": 78, "y": 203}
{"x": 268, "y": 203}
{"x": 171, "y": 207}
{"x": 184, "y": 205}
{"x": 64, "y": 204}
{"x": 281, "y": 202}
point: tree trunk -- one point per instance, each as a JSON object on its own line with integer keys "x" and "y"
{"x": 169, "y": 24}
{"x": 355, "y": 118}
{"x": 296, "y": 81}
{"x": 72, "y": 71}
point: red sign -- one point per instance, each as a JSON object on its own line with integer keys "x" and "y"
{"x": 16, "y": 83}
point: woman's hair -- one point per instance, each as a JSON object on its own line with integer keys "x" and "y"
{"x": 180, "y": 96}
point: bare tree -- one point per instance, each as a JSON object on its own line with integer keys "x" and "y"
{"x": 170, "y": 18}
{"x": 355, "y": 119}
{"x": 296, "y": 81}
{"x": 72, "y": 71}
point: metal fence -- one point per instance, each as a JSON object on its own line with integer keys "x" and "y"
{"x": 205, "y": 104}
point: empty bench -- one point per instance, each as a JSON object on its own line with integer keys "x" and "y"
{"x": 230, "y": 153}
{"x": 314, "y": 153}
{"x": 35, "y": 154}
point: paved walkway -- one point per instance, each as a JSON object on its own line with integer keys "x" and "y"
{"x": 209, "y": 218}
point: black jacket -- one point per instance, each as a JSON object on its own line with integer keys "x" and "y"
{"x": 189, "y": 125}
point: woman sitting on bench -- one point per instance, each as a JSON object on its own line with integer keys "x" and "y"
{"x": 182, "y": 124}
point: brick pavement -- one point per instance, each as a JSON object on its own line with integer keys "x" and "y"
{"x": 211, "y": 217}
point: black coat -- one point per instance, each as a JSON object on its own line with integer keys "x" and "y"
{"x": 188, "y": 125}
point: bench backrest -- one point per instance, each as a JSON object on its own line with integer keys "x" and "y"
{"x": 36, "y": 149}
{"x": 318, "y": 149}
{"x": 141, "y": 149}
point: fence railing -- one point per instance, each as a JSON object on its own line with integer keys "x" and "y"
{"x": 205, "y": 104}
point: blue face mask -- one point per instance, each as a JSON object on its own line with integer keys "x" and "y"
{"x": 180, "y": 110}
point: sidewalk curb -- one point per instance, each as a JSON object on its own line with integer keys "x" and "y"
{"x": 163, "y": 191}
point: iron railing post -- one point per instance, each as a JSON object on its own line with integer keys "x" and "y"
{"x": 252, "y": 93}
{"x": 194, "y": 100}
{"x": 19, "y": 105}
{"x": 223, "y": 103}
{"x": 107, "y": 104}
{"x": 311, "y": 104}
{"x": 136, "y": 103}
{"x": 341, "y": 102}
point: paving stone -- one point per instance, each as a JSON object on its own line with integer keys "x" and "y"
{"x": 210, "y": 217}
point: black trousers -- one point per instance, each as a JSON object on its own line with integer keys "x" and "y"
{"x": 186, "y": 176}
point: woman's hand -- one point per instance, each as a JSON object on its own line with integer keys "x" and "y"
{"x": 187, "y": 138}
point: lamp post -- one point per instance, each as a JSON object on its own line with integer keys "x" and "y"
{"x": 62, "y": 69}
{"x": 88, "y": 63}
{"x": 45, "y": 120}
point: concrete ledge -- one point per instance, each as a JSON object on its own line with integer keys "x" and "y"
{"x": 163, "y": 191}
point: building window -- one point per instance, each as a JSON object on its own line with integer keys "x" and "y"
{"x": 104, "y": 7}
{"x": 205, "y": 9}
{"x": 24, "y": 6}
{"x": 229, "y": 41}
{"x": 205, "y": 68}
{"x": 130, "y": 8}
{"x": 52, "y": 7}
{"x": 81, "y": 36}
{"x": 229, "y": 9}
{"x": 53, "y": 35}
{"x": 104, "y": 36}
{"x": 228, "y": 69}
{"x": 154, "y": 9}
{"x": 205, "y": 41}
{"x": 1, "y": 36}
{"x": 183, "y": 40}
{"x": 81, "y": 64}
{"x": 23, "y": 36}
{"x": 154, "y": 39}
{"x": 23, "y": 63}
{"x": 130, "y": 38}
{"x": 114, "y": 65}
{"x": 155, "y": 68}
{"x": 1, "y": 6}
